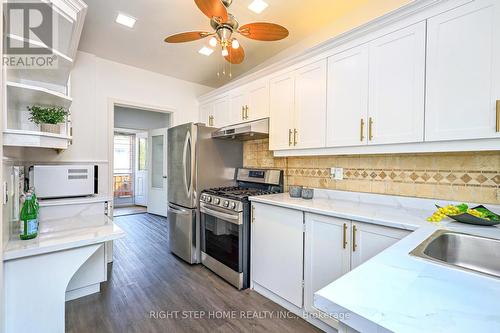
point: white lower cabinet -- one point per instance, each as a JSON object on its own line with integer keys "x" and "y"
{"x": 368, "y": 240}
{"x": 327, "y": 255}
{"x": 277, "y": 251}
{"x": 295, "y": 254}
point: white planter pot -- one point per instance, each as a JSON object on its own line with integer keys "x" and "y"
{"x": 51, "y": 128}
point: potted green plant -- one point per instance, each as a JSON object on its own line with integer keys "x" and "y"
{"x": 48, "y": 117}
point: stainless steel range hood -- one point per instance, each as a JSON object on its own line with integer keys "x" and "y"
{"x": 252, "y": 130}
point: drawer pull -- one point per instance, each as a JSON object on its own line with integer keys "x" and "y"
{"x": 362, "y": 130}
{"x": 498, "y": 116}
{"x": 354, "y": 245}
{"x": 345, "y": 236}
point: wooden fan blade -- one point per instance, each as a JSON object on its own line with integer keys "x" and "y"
{"x": 187, "y": 36}
{"x": 235, "y": 56}
{"x": 213, "y": 8}
{"x": 264, "y": 31}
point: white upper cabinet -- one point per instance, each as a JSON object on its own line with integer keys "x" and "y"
{"x": 347, "y": 98}
{"x": 206, "y": 113}
{"x": 463, "y": 72}
{"x": 238, "y": 102}
{"x": 282, "y": 108}
{"x": 298, "y": 108}
{"x": 258, "y": 100}
{"x": 216, "y": 113}
{"x": 397, "y": 87}
{"x": 310, "y": 106}
{"x": 376, "y": 91}
{"x": 221, "y": 113}
{"x": 250, "y": 102}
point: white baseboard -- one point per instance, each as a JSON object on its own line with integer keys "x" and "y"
{"x": 84, "y": 291}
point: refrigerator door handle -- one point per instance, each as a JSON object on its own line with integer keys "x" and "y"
{"x": 187, "y": 173}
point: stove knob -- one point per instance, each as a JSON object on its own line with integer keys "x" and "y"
{"x": 216, "y": 201}
{"x": 203, "y": 197}
{"x": 226, "y": 203}
{"x": 209, "y": 198}
{"x": 232, "y": 205}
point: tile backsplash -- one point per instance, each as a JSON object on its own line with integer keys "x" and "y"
{"x": 469, "y": 177}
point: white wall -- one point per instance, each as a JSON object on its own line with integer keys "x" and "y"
{"x": 95, "y": 83}
{"x": 137, "y": 119}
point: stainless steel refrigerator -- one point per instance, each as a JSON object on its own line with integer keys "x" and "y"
{"x": 195, "y": 162}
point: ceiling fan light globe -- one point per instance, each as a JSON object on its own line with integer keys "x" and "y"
{"x": 225, "y": 52}
{"x": 235, "y": 44}
{"x": 213, "y": 42}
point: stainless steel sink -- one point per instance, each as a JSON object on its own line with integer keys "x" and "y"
{"x": 464, "y": 251}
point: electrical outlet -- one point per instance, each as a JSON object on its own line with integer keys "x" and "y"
{"x": 337, "y": 173}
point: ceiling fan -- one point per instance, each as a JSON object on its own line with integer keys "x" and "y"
{"x": 225, "y": 26}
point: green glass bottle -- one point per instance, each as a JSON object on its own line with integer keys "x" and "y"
{"x": 29, "y": 221}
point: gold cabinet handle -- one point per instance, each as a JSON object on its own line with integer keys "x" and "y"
{"x": 370, "y": 129}
{"x": 253, "y": 213}
{"x": 345, "y": 236}
{"x": 362, "y": 130}
{"x": 354, "y": 245}
{"x": 295, "y": 133}
{"x": 242, "y": 113}
{"x": 498, "y": 116}
{"x": 290, "y": 137}
{"x": 246, "y": 111}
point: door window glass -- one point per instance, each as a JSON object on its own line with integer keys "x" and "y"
{"x": 157, "y": 161}
{"x": 142, "y": 147}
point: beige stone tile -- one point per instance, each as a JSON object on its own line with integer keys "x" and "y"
{"x": 489, "y": 195}
{"x": 364, "y": 162}
{"x": 340, "y": 184}
{"x": 393, "y": 162}
{"x": 392, "y": 188}
{"x": 378, "y": 162}
{"x": 378, "y": 187}
{"x": 408, "y": 162}
{"x": 364, "y": 185}
{"x": 407, "y": 189}
{"x": 443, "y": 192}
{"x": 488, "y": 162}
{"x": 425, "y": 190}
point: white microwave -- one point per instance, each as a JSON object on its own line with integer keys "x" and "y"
{"x": 63, "y": 181}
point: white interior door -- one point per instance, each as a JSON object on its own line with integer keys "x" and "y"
{"x": 157, "y": 158}
{"x": 141, "y": 169}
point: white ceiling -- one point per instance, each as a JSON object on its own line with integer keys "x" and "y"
{"x": 143, "y": 46}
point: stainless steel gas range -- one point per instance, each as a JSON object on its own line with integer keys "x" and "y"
{"x": 225, "y": 223}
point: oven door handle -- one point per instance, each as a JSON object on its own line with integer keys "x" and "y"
{"x": 235, "y": 219}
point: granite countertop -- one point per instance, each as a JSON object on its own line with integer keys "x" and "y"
{"x": 396, "y": 292}
{"x": 63, "y": 234}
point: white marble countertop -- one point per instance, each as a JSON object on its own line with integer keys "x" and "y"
{"x": 396, "y": 292}
{"x": 383, "y": 213}
{"x": 74, "y": 201}
{"x": 63, "y": 234}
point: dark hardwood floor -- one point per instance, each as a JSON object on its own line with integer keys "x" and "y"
{"x": 150, "y": 290}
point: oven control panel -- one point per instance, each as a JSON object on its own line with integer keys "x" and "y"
{"x": 230, "y": 204}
